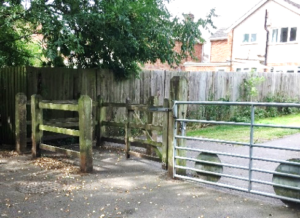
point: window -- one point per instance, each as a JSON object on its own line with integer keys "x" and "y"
{"x": 238, "y": 69}
{"x": 275, "y": 35}
{"x": 285, "y": 34}
{"x": 249, "y": 37}
{"x": 253, "y": 37}
{"x": 253, "y": 70}
{"x": 290, "y": 71}
{"x": 293, "y": 34}
{"x": 246, "y": 38}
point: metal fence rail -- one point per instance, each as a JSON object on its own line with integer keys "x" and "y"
{"x": 184, "y": 154}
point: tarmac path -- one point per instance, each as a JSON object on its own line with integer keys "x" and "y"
{"x": 118, "y": 188}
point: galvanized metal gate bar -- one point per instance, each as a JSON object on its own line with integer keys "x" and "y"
{"x": 251, "y": 157}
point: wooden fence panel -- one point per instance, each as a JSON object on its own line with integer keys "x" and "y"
{"x": 12, "y": 81}
{"x": 66, "y": 84}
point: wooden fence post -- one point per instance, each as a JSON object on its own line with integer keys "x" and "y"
{"x": 152, "y": 101}
{"x": 101, "y": 116}
{"x": 164, "y": 151}
{"x": 179, "y": 92}
{"x": 20, "y": 119}
{"x": 127, "y": 130}
{"x": 85, "y": 108}
{"x": 37, "y": 120}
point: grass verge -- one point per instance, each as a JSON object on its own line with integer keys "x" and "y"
{"x": 242, "y": 133}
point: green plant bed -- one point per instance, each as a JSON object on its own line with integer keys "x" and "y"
{"x": 242, "y": 133}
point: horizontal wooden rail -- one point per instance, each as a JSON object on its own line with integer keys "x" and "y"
{"x": 145, "y": 142}
{"x": 60, "y": 101}
{"x": 107, "y": 104}
{"x": 114, "y": 124}
{"x": 60, "y": 150}
{"x": 146, "y": 126}
{"x": 54, "y": 106}
{"x": 59, "y": 130}
{"x": 136, "y": 107}
{"x": 61, "y": 124}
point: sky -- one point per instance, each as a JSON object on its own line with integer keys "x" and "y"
{"x": 228, "y": 11}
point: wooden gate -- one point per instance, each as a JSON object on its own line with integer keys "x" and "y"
{"x": 144, "y": 128}
{"x": 157, "y": 150}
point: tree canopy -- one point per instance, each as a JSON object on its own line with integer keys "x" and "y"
{"x": 113, "y": 34}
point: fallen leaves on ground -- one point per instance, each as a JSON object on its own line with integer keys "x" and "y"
{"x": 8, "y": 154}
{"x": 56, "y": 164}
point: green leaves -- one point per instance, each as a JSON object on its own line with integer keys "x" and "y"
{"x": 115, "y": 34}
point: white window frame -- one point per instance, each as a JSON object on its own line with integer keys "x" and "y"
{"x": 279, "y": 35}
{"x": 250, "y": 36}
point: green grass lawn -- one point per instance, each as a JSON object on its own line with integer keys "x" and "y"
{"x": 242, "y": 133}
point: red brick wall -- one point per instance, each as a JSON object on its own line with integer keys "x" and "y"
{"x": 198, "y": 68}
{"x": 158, "y": 65}
{"x": 221, "y": 49}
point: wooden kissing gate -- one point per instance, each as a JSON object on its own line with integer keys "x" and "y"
{"x": 86, "y": 123}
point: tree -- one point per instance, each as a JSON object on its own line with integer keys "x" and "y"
{"x": 113, "y": 34}
{"x": 16, "y": 47}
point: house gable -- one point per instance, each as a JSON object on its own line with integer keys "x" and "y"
{"x": 250, "y": 35}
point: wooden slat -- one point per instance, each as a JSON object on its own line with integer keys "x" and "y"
{"x": 141, "y": 107}
{"x": 146, "y": 142}
{"x": 59, "y": 130}
{"x": 53, "y": 106}
{"x": 108, "y": 104}
{"x": 146, "y": 126}
{"x": 114, "y": 124}
{"x": 61, "y": 124}
{"x": 60, "y": 150}
{"x": 61, "y": 101}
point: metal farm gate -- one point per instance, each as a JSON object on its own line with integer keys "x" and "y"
{"x": 268, "y": 169}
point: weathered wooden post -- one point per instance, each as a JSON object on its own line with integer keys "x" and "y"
{"x": 37, "y": 120}
{"x": 152, "y": 102}
{"x": 127, "y": 129}
{"x": 85, "y": 107}
{"x": 164, "y": 150}
{"x": 101, "y": 116}
{"x": 179, "y": 92}
{"x": 20, "y": 119}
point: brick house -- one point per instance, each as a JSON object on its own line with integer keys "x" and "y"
{"x": 220, "y": 53}
{"x": 158, "y": 65}
{"x": 264, "y": 39}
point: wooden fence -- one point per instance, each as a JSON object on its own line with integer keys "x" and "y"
{"x": 64, "y": 84}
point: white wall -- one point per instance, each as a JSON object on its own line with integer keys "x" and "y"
{"x": 278, "y": 53}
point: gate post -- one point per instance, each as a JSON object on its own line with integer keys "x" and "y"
{"x": 164, "y": 150}
{"x": 152, "y": 101}
{"x": 37, "y": 120}
{"x": 127, "y": 130}
{"x": 20, "y": 119}
{"x": 100, "y": 116}
{"x": 179, "y": 92}
{"x": 85, "y": 108}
